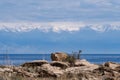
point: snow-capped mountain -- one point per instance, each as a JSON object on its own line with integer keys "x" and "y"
{"x": 49, "y": 37}
{"x": 58, "y": 26}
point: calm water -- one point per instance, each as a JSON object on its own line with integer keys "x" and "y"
{"x": 17, "y": 59}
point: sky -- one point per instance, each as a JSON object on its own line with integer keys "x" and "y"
{"x": 45, "y": 26}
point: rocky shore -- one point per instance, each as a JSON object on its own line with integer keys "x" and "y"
{"x": 57, "y": 70}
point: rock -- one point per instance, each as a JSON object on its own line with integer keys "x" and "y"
{"x": 76, "y": 70}
{"x": 81, "y": 73}
{"x": 31, "y": 69}
{"x": 83, "y": 70}
{"x": 107, "y": 73}
{"x": 6, "y": 70}
{"x": 22, "y": 72}
{"x": 50, "y": 71}
{"x": 116, "y": 75}
{"x": 34, "y": 63}
{"x": 2, "y": 70}
{"x": 84, "y": 63}
{"x": 58, "y": 56}
{"x": 102, "y": 70}
{"x": 62, "y": 65}
{"x": 108, "y": 78}
{"x": 117, "y": 69}
{"x": 48, "y": 66}
{"x": 1, "y": 78}
{"x": 112, "y": 65}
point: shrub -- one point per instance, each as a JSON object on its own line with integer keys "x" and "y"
{"x": 70, "y": 59}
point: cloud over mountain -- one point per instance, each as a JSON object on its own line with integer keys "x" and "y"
{"x": 58, "y": 26}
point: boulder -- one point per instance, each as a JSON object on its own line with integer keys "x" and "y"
{"x": 111, "y": 65}
{"x": 58, "y": 56}
{"x": 62, "y": 65}
{"x": 34, "y": 63}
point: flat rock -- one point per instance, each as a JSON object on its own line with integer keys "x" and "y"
{"x": 6, "y": 70}
{"x": 35, "y": 63}
{"x": 60, "y": 64}
{"x": 85, "y": 63}
{"x": 50, "y": 71}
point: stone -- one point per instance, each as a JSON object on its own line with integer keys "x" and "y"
{"x": 22, "y": 72}
{"x": 112, "y": 65}
{"x": 84, "y": 63}
{"x": 47, "y": 70}
{"x": 58, "y": 56}
{"x": 81, "y": 73}
{"x": 6, "y": 70}
{"x": 2, "y": 70}
{"x": 35, "y": 63}
{"x": 117, "y": 69}
{"x": 62, "y": 65}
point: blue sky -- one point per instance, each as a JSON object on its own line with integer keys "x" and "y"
{"x": 59, "y": 10}
{"x": 45, "y": 26}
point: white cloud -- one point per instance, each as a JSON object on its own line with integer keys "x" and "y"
{"x": 99, "y": 2}
{"x": 59, "y": 26}
{"x": 59, "y": 10}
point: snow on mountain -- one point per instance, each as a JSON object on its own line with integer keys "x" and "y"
{"x": 58, "y": 26}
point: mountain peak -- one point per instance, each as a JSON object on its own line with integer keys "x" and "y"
{"x": 57, "y": 26}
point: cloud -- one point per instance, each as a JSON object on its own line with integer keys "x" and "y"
{"x": 59, "y": 10}
{"x": 59, "y": 26}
